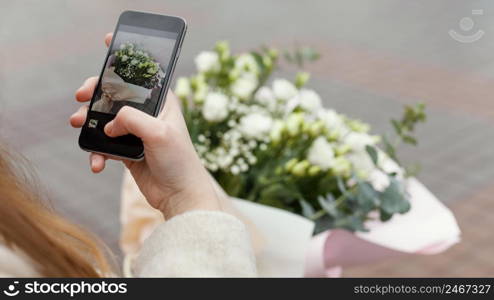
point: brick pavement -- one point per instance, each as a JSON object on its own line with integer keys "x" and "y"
{"x": 376, "y": 57}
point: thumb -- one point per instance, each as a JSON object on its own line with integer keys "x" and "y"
{"x": 133, "y": 121}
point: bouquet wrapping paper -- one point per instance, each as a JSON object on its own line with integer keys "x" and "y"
{"x": 283, "y": 241}
{"x": 114, "y": 89}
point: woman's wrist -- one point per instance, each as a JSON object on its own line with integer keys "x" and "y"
{"x": 189, "y": 200}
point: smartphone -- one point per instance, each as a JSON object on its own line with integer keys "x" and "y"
{"x": 137, "y": 72}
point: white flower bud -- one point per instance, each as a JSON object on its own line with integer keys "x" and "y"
{"x": 277, "y": 131}
{"x": 294, "y": 123}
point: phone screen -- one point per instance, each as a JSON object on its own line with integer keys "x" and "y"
{"x": 136, "y": 72}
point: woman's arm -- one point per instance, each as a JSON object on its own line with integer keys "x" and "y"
{"x": 199, "y": 239}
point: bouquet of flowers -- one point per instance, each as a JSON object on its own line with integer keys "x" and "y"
{"x": 272, "y": 142}
{"x": 136, "y": 66}
{"x": 131, "y": 76}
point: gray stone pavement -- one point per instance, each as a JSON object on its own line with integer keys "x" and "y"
{"x": 376, "y": 56}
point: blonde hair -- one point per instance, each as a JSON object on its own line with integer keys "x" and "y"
{"x": 56, "y": 247}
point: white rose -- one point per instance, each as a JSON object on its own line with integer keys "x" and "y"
{"x": 182, "y": 89}
{"x": 207, "y": 61}
{"x": 215, "y": 107}
{"x": 333, "y": 122}
{"x": 321, "y": 154}
{"x": 284, "y": 89}
{"x": 244, "y": 86}
{"x": 265, "y": 96}
{"x": 309, "y": 100}
{"x": 247, "y": 63}
{"x": 357, "y": 141}
{"x": 255, "y": 125}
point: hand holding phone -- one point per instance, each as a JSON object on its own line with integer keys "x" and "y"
{"x": 137, "y": 72}
{"x": 172, "y": 178}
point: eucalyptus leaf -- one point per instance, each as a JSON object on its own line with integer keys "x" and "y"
{"x": 367, "y": 196}
{"x": 371, "y": 150}
{"x": 307, "y": 209}
{"x": 409, "y": 140}
{"x": 393, "y": 199}
{"x": 329, "y": 205}
{"x": 384, "y": 216}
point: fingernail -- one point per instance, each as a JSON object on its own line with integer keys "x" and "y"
{"x": 108, "y": 128}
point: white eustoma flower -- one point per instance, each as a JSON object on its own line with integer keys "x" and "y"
{"x": 357, "y": 141}
{"x": 333, "y": 122}
{"x": 215, "y": 108}
{"x": 265, "y": 96}
{"x": 255, "y": 125}
{"x": 244, "y": 86}
{"x": 284, "y": 89}
{"x": 321, "y": 154}
{"x": 207, "y": 61}
{"x": 309, "y": 100}
{"x": 247, "y": 63}
{"x": 361, "y": 162}
{"x": 379, "y": 180}
{"x": 182, "y": 89}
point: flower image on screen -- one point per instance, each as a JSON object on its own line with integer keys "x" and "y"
{"x": 135, "y": 70}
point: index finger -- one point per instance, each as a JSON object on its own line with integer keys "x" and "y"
{"x": 108, "y": 38}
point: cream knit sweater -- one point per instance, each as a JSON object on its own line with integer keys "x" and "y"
{"x": 194, "y": 244}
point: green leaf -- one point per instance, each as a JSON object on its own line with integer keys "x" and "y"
{"x": 372, "y": 153}
{"x": 307, "y": 209}
{"x": 384, "y": 216}
{"x": 274, "y": 202}
{"x": 275, "y": 194}
{"x": 390, "y": 149}
{"x": 409, "y": 140}
{"x": 323, "y": 223}
{"x": 310, "y": 54}
{"x": 367, "y": 196}
{"x": 351, "y": 223}
{"x": 288, "y": 57}
{"x": 328, "y": 204}
{"x": 341, "y": 185}
{"x": 393, "y": 198}
{"x": 397, "y": 126}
